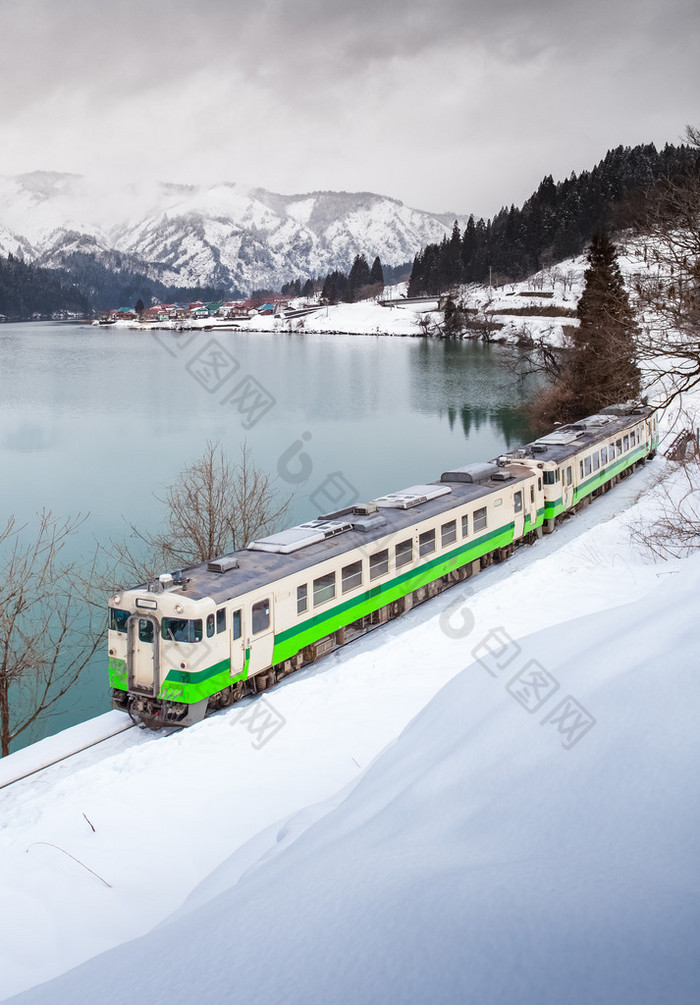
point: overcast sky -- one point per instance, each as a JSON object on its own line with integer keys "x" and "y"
{"x": 448, "y": 105}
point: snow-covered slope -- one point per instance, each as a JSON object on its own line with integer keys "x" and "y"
{"x": 477, "y": 860}
{"x": 492, "y": 853}
{"x": 223, "y": 234}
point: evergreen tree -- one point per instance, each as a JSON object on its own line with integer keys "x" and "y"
{"x": 556, "y": 221}
{"x": 335, "y": 288}
{"x": 603, "y": 365}
{"x": 359, "y": 277}
{"x": 376, "y": 274}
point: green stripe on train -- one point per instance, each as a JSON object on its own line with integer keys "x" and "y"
{"x": 188, "y": 687}
{"x": 181, "y": 686}
{"x": 289, "y": 642}
{"x": 117, "y": 673}
{"x": 553, "y": 507}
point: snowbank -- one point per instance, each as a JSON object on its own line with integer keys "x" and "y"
{"x": 484, "y": 857}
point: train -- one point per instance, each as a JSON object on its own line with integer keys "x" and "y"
{"x": 199, "y": 639}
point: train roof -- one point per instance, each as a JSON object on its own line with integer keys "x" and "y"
{"x": 280, "y": 555}
{"x": 565, "y": 441}
{"x": 333, "y": 534}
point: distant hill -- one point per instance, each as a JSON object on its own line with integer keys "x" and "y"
{"x": 225, "y": 236}
{"x": 27, "y": 292}
{"x": 555, "y": 223}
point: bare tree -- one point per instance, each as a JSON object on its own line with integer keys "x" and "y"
{"x": 674, "y": 530}
{"x": 668, "y": 290}
{"x": 212, "y": 508}
{"x": 50, "y": 626}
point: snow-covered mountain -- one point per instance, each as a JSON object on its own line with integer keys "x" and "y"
{"x": 220, "y": 235}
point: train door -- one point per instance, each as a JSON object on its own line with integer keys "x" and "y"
{"x": 143, "y": 654}
{"x": 518, "y": 514}
{"x": 237, "y": 644}
{"x": 262, "y": 635}
{"x": 567, "y": 486}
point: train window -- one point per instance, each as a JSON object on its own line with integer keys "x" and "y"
{"x": 539, "y": 484}
{"x": 449, "y": 533}
{"x": 632, "y": 438}
{"x": 261, "y": 616}
{"x": 518, "y": 502}
{"x": 221, "y": 620}
{"x": 618, "y": 446}
{"x": 324, "y": 589}
{"x": 626, "y": 444}
{"x": 580, "y": 464}
{"x": 480, "y": 518}
{"x": 351, "y": 577}
{"x": 557, "y": 474}
{"x": 568, "y": 475}
{"x": 145, "y": 630}
{"x": 302, "y": 598}
{"x": 532, "y": 493}
{"x": 465, "y": 525}
{"x": 612, "y": 451}
{"x": 403, "y": 553}
{"x": 236, "y": 628}
{"x": 587, "y": 465}
{"x": 548, "y": 477}
{"x": 426, "y": 543}
{"x": 596, "y": 461}
{"x": 210, "y": 626}
{"x": 118, "y": 619}
{"x": 181, "y": 630}
{"x": 603, "y": 456}
{"x": 379, "y": 564}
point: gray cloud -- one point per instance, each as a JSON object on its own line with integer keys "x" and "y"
{"x": 448, "y": 100}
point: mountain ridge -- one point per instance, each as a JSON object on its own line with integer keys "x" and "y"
{"x": 226, "y": 234}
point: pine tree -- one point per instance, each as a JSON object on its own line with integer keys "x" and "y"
{"x": 359, "y": 277}
{"x": 603, "y": 368}
{"x": 376, "y": 274}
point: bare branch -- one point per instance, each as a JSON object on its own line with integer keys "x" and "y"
{"x": 49, "y": 624}
{"x": 214, "y": 507}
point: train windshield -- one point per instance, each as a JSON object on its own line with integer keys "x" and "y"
{"x": 118, "y": 619}
{"x": 182, "y": 629}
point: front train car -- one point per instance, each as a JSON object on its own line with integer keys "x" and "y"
{"x": 169, "y": 653}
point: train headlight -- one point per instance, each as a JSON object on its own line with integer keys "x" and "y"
{"x": 179, "y": 608}
{"x": 116, "y": 598}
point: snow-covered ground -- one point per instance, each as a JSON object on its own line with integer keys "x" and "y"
{"x": 494, "y": 799}
{"x": 559, "y": 287}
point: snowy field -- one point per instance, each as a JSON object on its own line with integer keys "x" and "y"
{"x": 494, "y": 799}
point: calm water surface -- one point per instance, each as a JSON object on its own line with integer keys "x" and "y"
{"x": 101, "y": 421}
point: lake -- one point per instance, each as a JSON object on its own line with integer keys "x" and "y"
{"x": 101, "y": 421}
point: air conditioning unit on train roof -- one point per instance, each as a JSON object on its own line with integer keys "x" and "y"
{"x": 470, "y": 473}
{"x": 591, "y": 422}
{"x": 223, "y": 564}
{"x": 306, "y": 534}
{"x": 559, "y": 438}
{"x": 413, "y": 496}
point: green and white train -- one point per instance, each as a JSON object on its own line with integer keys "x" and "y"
{"x": 202, "y": 638}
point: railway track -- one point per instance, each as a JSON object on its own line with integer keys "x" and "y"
{"x": 25, "y": 763}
